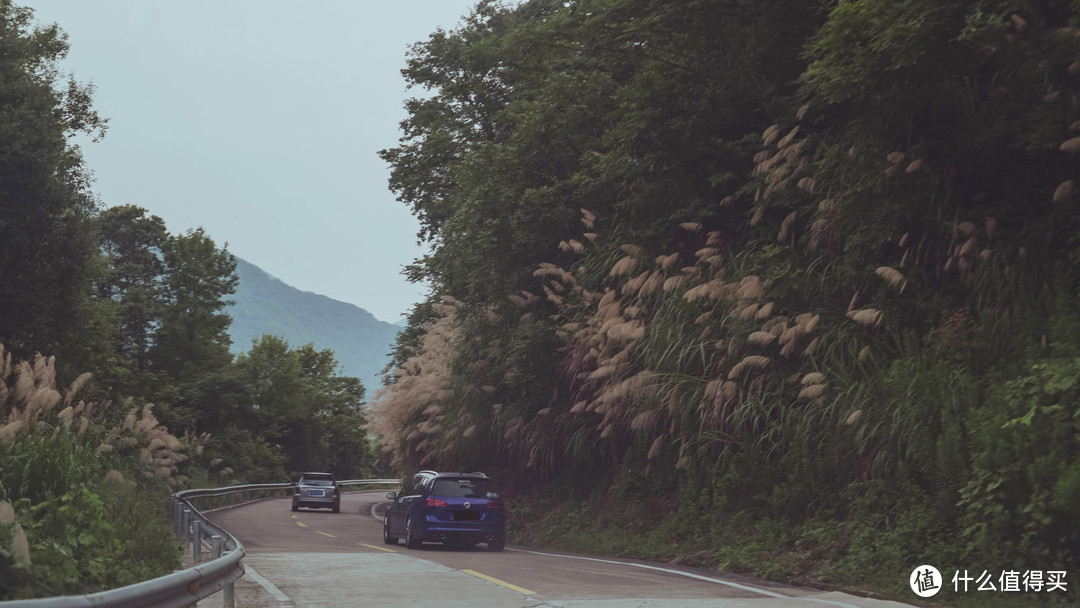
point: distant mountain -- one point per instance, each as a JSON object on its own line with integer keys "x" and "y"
{"x": 266, "y": 305}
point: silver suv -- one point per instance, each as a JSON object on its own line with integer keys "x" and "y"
{"x": 317, "y": 490}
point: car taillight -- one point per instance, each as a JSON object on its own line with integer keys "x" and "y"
{"x": 435, "y": 502}
{"x": 495, "y": 504}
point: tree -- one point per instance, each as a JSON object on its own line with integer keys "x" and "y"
{"x": 192, "y": 337}
{"x": 830, "y": 250}
{"x": 300, "y": 404}
{"x": 132, "y": 246}
{"x": 534, "y": 112}
{"x": 45, "y": 204}
{"x": 341, "y": 444}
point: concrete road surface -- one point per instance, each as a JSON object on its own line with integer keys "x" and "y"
{"x": 315, "y": 558}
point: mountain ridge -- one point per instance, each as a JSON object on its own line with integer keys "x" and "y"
{"x": 264, "y": 304}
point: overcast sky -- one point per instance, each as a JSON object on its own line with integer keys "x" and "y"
{"x": 260, "y": 120}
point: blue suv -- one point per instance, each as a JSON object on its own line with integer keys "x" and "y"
{"x": 451, "y": 508}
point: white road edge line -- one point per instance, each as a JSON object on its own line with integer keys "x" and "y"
{"x": 686, "y": 574}
{"x": 695, "y": 576}
{"x": 284, "y": 601}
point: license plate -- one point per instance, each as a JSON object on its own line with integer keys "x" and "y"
{"x": 315, "y": 492}
{"x": 466, "y": 515}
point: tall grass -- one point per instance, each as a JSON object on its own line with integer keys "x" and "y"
{"x": 82, "y": 503}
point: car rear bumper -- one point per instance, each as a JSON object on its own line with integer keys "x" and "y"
{"x": 315, "y": 501}
{"x": 307, "y": 502}
{"x": 470, "y": 531}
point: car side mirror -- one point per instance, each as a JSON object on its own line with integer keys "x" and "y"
{"x": 391, "y": 495}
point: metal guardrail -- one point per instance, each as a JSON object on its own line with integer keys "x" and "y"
{"x": 185, "y": 587}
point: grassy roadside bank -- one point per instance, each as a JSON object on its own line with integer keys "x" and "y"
{"x": 869, "y": 553}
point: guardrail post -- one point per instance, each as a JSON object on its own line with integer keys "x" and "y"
{"x": 196, "y": 541}
{"x": 185, "y": 524}
{"x": 228, "y": 594}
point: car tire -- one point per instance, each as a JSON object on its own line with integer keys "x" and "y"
{"x": 410, "y": 541}
{"x": 386, "y": 538}
{"x": 337, "y": 507}
{"x": 295, "y": 507}
{"x": 497, "y": 545}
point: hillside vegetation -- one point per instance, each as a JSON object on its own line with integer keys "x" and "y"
{"x": 787, "y": 286}
{"x": 265, "y": 305}
{"x": 132, "y": 320}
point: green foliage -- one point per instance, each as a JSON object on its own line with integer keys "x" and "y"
{"x": 83, "y": 536}
{"x": 278, "y": 409}
{"x": 191, "y": 337}
{"x": 825, "y": 270}
{"x": 39, "y": 465}
{"x": 144, "y": 311}
{"x": 79, "y": 525}
{"x": 131, "y": 284}
{"x": 87, "y": 540}
{"x": 542, "y": 109}
{"x": 45, "y": 252}
{"x": 1024, "y": 485}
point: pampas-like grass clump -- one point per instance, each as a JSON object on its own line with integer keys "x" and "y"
{"x": 588, "y": 218}
{"x": 623, "y": 266}
{"x": 761, "y": 338}
{"x": 770, "y": 135}
{"x": 893, "y": 277}
{"x": 765, "y": 311}
{"x": 790, "y": 137}
{"x": 654, "y": 449}
{"x": 667, "y": 261}
{"x": 1063, "y": 191}
{"x": 867, "y": 317}
{"x": 1072, "y": 146}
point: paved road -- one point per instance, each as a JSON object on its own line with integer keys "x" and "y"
{"x": 320, "y": 559}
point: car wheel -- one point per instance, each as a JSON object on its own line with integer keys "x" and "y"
{"x": 295, "y": 507}
{"x": 496, "y": 545}
{"x": 386, "y": 538}
{"x": 337, "y": 507}
{"x": 410, "y": 540}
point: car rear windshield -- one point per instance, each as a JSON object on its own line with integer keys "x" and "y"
{"x": 464, "y": 488}
{"x": 317, "y": 480}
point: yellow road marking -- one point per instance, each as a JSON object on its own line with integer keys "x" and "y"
{"x": 301, "y": 524}
{"x": 325, "y": 534}
{"x": 492, "y": 579}
{"x": 293, "y": 516}
{"x": 376, "y": 547}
